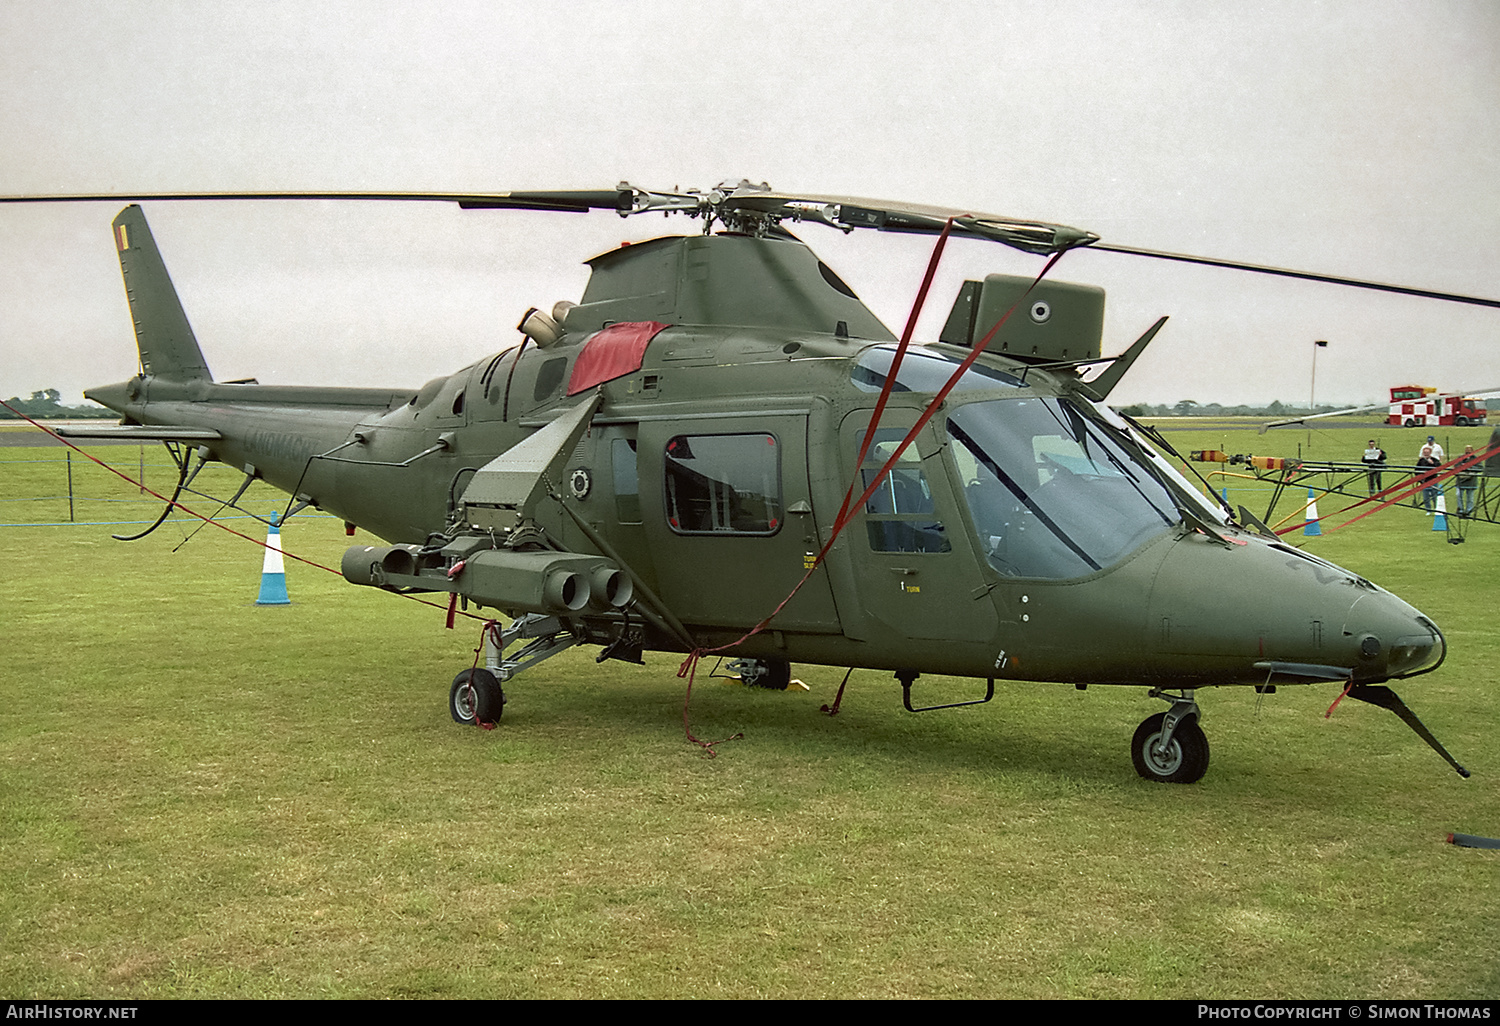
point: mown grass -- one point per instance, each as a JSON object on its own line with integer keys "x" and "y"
{"x": 201, "y": 797}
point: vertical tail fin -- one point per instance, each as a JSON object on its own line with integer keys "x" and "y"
{"x": 162, "y": 333}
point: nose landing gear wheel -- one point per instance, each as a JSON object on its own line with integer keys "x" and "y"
{"x": 476, "y": 697}
{"x": 1183, "y": 761}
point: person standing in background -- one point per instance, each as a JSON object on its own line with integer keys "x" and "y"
{"x": 1428, "y": 462}
{"x": 1374, "y": 461}
{"x": 1468, "y": 483}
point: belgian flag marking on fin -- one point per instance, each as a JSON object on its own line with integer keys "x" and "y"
{"x": 122, "y": 238}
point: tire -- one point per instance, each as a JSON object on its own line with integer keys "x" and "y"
{"x": 1409, "y": 423}
{"x": 1186, "y": 759}
{"x": 476, "y": 697}
{"x": 776, "y": 676}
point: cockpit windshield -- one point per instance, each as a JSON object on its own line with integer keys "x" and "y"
{"x": 1053, "y": 494}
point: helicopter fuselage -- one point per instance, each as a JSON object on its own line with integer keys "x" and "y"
{"x": 1027, "y": 533}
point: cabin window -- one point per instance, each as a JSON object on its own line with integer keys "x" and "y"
{"x": 723, "y": 484}
{"x": 627, "y": 482}
{"x": 900, "y": 514}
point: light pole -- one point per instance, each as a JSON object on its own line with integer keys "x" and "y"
{"x": 1312, "y": 406}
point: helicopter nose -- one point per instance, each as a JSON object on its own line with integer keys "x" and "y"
{"x": 1391, "y": 638}
{"x": 1278, "y": 612}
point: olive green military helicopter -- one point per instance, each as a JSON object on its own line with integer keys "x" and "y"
{"x": 658, "y": 465}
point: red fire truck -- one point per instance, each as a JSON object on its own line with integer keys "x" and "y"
{"x": 1416, "y": 406}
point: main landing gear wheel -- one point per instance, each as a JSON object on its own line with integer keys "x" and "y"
{"x": 1183, "y": 761}
{"x": 778, "y": 675}
{"x": 771, "y": 674}
{"x": 476, "y": 697}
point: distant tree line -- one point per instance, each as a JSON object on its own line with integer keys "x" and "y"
{"x": 45, "y": 404}
{"x": 1191, "y": 408}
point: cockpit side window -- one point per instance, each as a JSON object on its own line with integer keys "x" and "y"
{"x": 900, "y": 514}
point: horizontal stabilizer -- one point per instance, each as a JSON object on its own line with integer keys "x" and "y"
{"x": 142, "y": 432}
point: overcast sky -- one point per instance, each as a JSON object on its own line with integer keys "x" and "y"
{"x": 1358, "y": 138}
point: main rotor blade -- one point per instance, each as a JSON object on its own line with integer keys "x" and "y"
{"x": 843, "y": 212}
{"x": 848, "y": 212}
{"x": 1305, "y": 275}
{"x": 579, "y": 201}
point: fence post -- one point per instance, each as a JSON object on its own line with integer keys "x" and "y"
{"x": 70, "y": 487}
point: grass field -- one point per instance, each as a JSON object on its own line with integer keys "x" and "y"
{"x": 204, "y": 798}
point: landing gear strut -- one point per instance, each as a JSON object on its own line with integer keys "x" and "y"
{"x": 477, "y": 695}
{"x": 1170, "y": 747}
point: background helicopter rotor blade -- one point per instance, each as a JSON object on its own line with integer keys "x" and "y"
{"x": 1289, "y": 273}
{"x": 1483, "y": 393}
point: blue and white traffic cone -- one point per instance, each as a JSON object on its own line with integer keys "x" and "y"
{"x": 1440, "y": 522}
{"x": 1312, "y": 527}
{"x": 273, "y": 571}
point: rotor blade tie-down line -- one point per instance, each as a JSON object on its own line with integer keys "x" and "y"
{"x": 192, "y": 512}
{"x": 488, "y": 632}
{"x": 847, "y": 512}
{"x": 182, "y": 479}
{"x": 1342, "y": 695}
{"x": 890, "y": 378}
{"x": 149, "y": 491}
{"x": 689, "y": 665}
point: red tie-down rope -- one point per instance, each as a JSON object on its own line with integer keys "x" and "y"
{"x": 210, "y": 520}
{"x": 1403, "y": 490}
{"x": 848, "y": 510}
